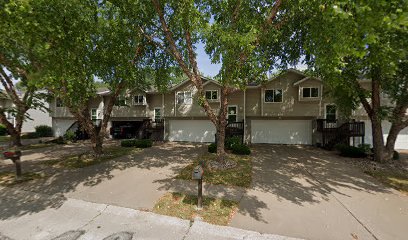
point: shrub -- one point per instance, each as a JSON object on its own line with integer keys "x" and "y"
{"x": 44, "y": 131}
{"x": 212, "y": 148}
{"x": 230, "y": 142}
{"x": 144, "y": 143}
{"x": 3, "y": 130}
{"x": 241, "y": 149}
{"x": 69, "y": 136}
{"x": 30, "y": 135}
{"x": 366, "y": 148}
{"x": 350, "y": 151}
{"x": 128, "y": 143}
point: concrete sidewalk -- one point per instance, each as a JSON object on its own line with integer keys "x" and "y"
{"x": 77, "y": 219}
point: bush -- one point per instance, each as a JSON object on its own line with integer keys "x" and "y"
{"x": 44, "y": 131}
{"x": 3, "y": 130}
{"x": 69, "y": 136}
{"x": 144, "y": 143}
{"x": 128, "y": 143}
{"x": 366, "y": 148}
{"x": 212, "y": 148}
{"x": 230, "y": 142}
{"x": 350, "y": 151}
{"x": 241, "y": 149}
{"x": 30, "y": 135}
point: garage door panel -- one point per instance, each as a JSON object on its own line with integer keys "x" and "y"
{"x": 281, "y": 131}
{"x": 191, "y": 131}
{"x": 400, "y": 143}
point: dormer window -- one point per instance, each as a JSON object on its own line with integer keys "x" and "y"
{"x": 139, "y": 100}
{"x": 310, "y": 92}
{"x": 120, "y": 101}
{"x": 211, "y": 95}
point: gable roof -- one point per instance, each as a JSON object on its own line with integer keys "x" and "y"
{"x": 305, "y": 79}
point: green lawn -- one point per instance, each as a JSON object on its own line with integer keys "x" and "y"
{"x": 4, "y": 139}
{"x": 85, "y": 160}
{"x": 397, "y": 179}
{"x": 215, "y": 211}
{"x": 240, "y": 176}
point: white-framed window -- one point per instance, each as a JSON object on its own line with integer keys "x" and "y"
{"x": 273, "y": 96}
{"x": 184, "y": 97}
{"x": 331, "y": 113}
{"x": 310, "y": 92}
{"x": 139, "y": 100}
{"x": 232, "y": 113}
{"x": 120, "y": 101}
{"x": 59, "y": 103}
{"x": 211, "y": 95}
{"x": 95, "y": 114}
{"x": 157, "y": 114}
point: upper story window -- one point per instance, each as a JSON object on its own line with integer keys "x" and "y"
{"x": 273, "y": 95}
{"x": 59, "y": 103}
{"x": 95, "y": 114}
{"x": 310, "y": 92}
{"x": 184, "y": 97}
{"x": 211, "y": 95}
{"x": 157, "y": 114}
{"x": 120, "y": 101}
{"x": 139, "y": 100}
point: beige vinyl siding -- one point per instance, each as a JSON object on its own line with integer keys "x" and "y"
{"x": 169, "y": 104}
{"x": 129, "y": 110}
{"x": 237, "y": 99}
{"x": 153, "y": 101}
{"x": 253, "y": 102}
{"x": 59, "y": 112}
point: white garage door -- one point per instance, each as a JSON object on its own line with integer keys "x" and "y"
{"x": 281, "y": 131}
{"x": 402, "y": 139}
{"x": 191, "y": 131}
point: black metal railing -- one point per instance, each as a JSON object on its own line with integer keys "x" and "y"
{"x": 332, "y": 134}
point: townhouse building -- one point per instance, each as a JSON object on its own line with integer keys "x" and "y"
{"x": 291, "y": 108}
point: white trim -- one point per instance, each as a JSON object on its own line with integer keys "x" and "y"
{"x": 236, "y": 112}
{"x": 305, "y": 79}
{"x": 318, "y": 93}
{"x": 184, "y": 99}
{"x": 273, "y": 89}
{"x": 154, "y": 113}
{"x": 211, "y": 81}
{"x": 325, "y": 109}
{"x": 244, "y": 117}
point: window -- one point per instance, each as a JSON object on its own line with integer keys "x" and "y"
{"x": 157, "y": 114}
{"x": 331, "y": 113}
{"x": 120, "y": 101}
{"x": 58, "y": 102}
{"x": 95, "y": 114}
{"x": 184, "y": 98}
{"x": 232, "y": 113}
{"x": 211, "y": 95}
{"x": 310, "y": 92}
{"x": 139, "y": 100}
{"x": 273, "y": 95}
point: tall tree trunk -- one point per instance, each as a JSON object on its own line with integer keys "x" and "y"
{"x": 221, "y": 125}
{"x": 391, "y": 139}
{"x": 378, "y": 140}
{"x": 97, "y": 143}
{"x": 16, "y": 139}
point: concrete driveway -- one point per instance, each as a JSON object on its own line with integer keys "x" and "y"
{"x": 311, "y": 193}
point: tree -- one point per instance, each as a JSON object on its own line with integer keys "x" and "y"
{"x": 231, "y": 32}
{"x": 21, "y": 52}
{"x": 346, "y": 41}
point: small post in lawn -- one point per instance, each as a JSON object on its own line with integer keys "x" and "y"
{"x": 198, "y": 175}
{"x": 15, "y": 157}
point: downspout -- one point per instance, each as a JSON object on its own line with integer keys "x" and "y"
{"x": 175, "y": 103}
{"x": 262, "y": 97}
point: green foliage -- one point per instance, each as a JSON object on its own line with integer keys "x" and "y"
{"x": 212, "y": 148}
{"x": 350, "y": 151}
{"x": 69, "y": 136}
{"x": 142, "y": 143}
{"x": 241, "y": 149}
{"x": 230, "y": 142}
{"x": 30, "y": 135}
{"x": 3, "y": 130}
{"x": 44, "y": 131}
{"x": 365, "y": 147}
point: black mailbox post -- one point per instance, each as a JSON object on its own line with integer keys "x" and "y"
{"x": 198, "y": 175}
{"x": 15, "y": 157}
